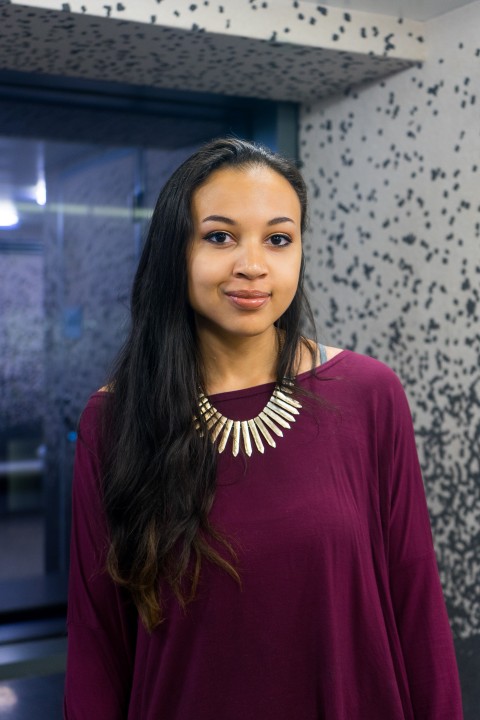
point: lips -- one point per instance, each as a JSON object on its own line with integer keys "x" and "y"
{"x": 247, "y": 293}
{"x": 248, "y": 299}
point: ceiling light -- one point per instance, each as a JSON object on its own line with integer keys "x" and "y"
{"x": 41, "y": 192}
{"x": 8, "y": 214}
{"x": 8, "y": 698}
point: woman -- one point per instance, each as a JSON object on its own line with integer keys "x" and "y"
{"x": 250, "y": 532}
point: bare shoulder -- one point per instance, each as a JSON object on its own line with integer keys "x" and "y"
{"x": 306, "y": 358}
{"x": 332, "y": 351}
{"x": 105, "y": 388}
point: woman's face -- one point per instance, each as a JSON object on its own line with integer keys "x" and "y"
{"x": 245, "y": 255}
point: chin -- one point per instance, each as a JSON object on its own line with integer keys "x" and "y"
{"x": 248, "y": 326}
{"x": 246, "y": 330}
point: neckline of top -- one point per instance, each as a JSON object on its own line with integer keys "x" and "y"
{"x": 258, "y": 389}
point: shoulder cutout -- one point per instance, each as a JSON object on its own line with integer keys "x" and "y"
{"x": 332, "y": 351}
{"x": 105, "y": 388}
{"x": 306, "y": 360}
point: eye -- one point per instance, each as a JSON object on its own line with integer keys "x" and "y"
{"x": 218, "y": 238}
{"x": 278, "y": 240}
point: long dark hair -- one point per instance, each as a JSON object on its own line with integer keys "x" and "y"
{"x": 159, "y": 472}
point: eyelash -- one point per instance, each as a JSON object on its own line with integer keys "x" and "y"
{"x": 210, "y": 237}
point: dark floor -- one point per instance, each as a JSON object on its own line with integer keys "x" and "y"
{"x": 38, "y": 698}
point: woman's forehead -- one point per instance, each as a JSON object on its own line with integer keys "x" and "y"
{"x": 233, "y": 186}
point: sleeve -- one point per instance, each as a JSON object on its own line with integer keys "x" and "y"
{"x": 416, "y": 592}
{"x": 101, "y": 622}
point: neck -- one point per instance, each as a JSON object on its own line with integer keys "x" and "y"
{"x": 235, "y": 363}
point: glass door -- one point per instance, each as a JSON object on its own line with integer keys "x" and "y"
{"x": 68, "y": 252}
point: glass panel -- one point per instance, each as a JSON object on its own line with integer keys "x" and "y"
{"x": 72, "y": 221}
{"x": 22, "y": 396}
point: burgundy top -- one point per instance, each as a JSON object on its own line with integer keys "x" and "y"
{"x": 341, "y": 614}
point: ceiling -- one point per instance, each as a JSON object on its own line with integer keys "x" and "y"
{"x": 413, "y": 9}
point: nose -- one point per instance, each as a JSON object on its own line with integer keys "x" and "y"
{"x": 250, "y": 261}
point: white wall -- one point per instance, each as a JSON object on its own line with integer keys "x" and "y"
{"x": 394, "y": 174}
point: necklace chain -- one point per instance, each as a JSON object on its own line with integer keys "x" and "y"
{"x": 278, "y": 413}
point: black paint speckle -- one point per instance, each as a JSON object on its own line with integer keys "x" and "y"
{"x": 388, "y": 42}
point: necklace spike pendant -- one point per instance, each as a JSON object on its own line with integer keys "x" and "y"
{"x": 225, "y": 435}
{"x": 280, "y": 411}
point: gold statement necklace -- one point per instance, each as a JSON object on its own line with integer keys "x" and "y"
{"x": 278, "y": 413}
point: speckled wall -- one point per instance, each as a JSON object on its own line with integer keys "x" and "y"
{"x": 393, "y": 171}
{"x": 22, "y": 332}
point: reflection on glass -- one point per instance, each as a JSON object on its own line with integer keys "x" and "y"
{"x": 8, "y": 697}
{"x": 66, "y": 267}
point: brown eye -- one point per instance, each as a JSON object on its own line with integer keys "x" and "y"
{"x": 218, "y": 238}
{"x": 279, "y": 240}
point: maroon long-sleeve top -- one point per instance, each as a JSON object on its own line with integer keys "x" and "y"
{"x": 340, "y": 615}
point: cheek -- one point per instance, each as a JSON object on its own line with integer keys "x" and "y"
{"x": 291, "y": 274}
{"x": 200, "y": 277}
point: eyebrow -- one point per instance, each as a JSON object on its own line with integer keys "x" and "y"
{"x": 229, "y": 221}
